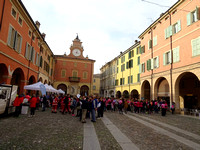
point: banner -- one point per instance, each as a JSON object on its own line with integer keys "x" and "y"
{"x": 43, "y": 89}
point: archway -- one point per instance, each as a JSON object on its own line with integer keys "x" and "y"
{"x": 62, "y": 87}
{"x": 17, "y": 78}
{"x": 125, "y": 94}
{"x": 134, "y": 94}
{"x": 187, "y": 89}
{"x": 31, "y": 80}
{"x": 111, "y": 93}
{"x": 45, "y": 82}
{"x": 145, "y": 90}
{"x": 40, "y": 79}
{"x": 84, "y": 90}
{"x": 118, "y": 94}
{"x": 161, "y": 90}
{"x": 3, "y": 73}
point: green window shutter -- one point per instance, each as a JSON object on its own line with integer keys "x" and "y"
{"x": 189, "y": 20}
{"x": 20, "y": 46}
{"x": 31, "y": 54}
{"x": 177, "y": 54}
{"x": 150, "y": 44}
{"x": 128, "y": 79}
{"x": 148, "y": 64}
{"x": 131, "y": 79}
{"x": 179, "y": 25}
{"x": 132, "y": 53}
{"x": 151, "y": 60}
{"x": 9, "y": 35}
{"x": 123, "y": 81}
{"x": 198, "y": 46}
{"x": 36, "y": 63}
{"x": 164, "y": 62}
{"x": 138, "y": 60}
{"x": 140, "y": 50}
{"x": 166, "y": 34}
{"x": 15, "y": 41}
{"x": 138, "y": 77}
{"x": 157, "y": 62}
{"x": 33, "y": 60}
{"x": 170, "y": 58}
{"x": 140, "y": 68}
{"x": 197, "y": 13}
{"x": 194, "y": 47}
{"x": 27, "y": 50}
{"x": 170, "y": 31}
{"x": 127, "y": 65}
{"x": 174, "y": 55}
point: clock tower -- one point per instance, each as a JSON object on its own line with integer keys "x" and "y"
{"x": 76, "y": 49}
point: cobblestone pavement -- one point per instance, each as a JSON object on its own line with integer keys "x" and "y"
{"x": 56, "y": 131}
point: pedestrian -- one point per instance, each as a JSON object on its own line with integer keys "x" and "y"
{"x": 125, "y": 106}
{"x": 55, "y": 104}
{"x": 120, "y": 106}
{"x": 101, "y": 109}
{"x": 66, "y": 102}
{"x": 32, "y": 106}
{"x": 94, "y": 109}
{"x": 44, "y": 102}
{"x": 84, "y": 107}
{"x": 17, "y": 103}
{"x": 173, "y": 107}
{"x": 164, "y": 108}
{"x": 38, "y": 102}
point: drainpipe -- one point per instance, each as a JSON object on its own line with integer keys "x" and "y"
{"x": 151, "y": 91}
{"x": 171, "y": 68}
{"x": 2, "y": 14}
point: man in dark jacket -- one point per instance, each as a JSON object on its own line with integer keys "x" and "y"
{"x": 84, "y": 108}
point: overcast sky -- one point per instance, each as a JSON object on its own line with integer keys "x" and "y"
{"x": 105, "y": 27}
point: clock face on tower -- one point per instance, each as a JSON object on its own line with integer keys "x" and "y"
{"x": 76, "y": 52}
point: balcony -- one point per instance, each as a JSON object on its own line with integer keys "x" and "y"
{"x": 74, "y": 79}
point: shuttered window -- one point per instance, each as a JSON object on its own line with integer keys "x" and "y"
{"x": 14, "y": 39}
{"x": 193, "y": 16}
{"x": 176, "y": 54}
{"x": 195, "y": 46}
{"x": 155, "y": 40}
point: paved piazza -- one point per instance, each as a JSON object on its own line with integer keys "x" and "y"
{"x": 112, "y": 132}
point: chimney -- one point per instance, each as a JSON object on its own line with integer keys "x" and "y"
{"x": 136, "y": 41}
{"x": 43, "y": 35}
{"x": 37, "y": 23}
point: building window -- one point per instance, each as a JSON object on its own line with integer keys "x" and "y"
{"x": 85, "y": 65}
{"x": 122, "y": 67}
{"x": 156, "y": 62}
{"x": 14, "y": 39}
{"x": 138, "y": 60}
{"x": 14, "y": 13}
{"x": 122, "y": 59}
{"x": 94, "y": 80}
{"x": 142, "y": 49}
{"x": 130, "y": 54}
{"x": 116, "y": 82}
{"x": 29, "y": 33}
{"x": 167, "y": 58}
{"x": 150, "y": 44}
{"x": 20, "y": 21}
{"x": 117, "y": 62}
{"x": 130, "y": 79}
{"x": 138, "y": 77}
{"x": 155, "y": 40}
{"x": 94, "y": 87}
{"x": 176, "y": 57}
{"x": 85, "y": 74}
{"x": 33, "y": 37}
{"x": 64, "y": 63}
{"x": 143, "y": 67}
{"x": 193, "y": 16}
{"x": 63, "y": 73}
{"x": 122, "y": 80}
{"x": 173, "y": 29}
{"x": 117, "y": 69}
{"x": 74, "y": 73}
{"x": 195, "y": 46}
{"x": 129, "y": 64}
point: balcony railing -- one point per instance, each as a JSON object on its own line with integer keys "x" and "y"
{"x": 74, "y": 79}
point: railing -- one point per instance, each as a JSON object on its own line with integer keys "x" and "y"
{"x": 74, "y": 79}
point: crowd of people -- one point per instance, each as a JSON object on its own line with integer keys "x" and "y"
{"x": 89, "y": 106}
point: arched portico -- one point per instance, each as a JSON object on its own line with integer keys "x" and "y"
{"x": 145, "y": 90}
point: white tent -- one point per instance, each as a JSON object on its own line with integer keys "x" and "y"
{"x": 48, "y": 89}
{"x": 35, "y": 86}
{"x": 53, "y": 89}
{"x": 61, "y": 91}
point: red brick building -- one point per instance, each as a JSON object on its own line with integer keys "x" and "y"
{"x": 74, "y": 73}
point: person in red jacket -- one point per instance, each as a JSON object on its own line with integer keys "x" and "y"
{"x": 55, "y": 104}
{"x": 18, "y": 103}
{"x": 33, "y": 102}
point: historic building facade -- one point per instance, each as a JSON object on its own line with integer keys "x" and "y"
{"x": 74, "y": 72}
{"x": 96, "y": 85}
{"x": 21, "y": 58}
{"x": 170, "y": 58}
